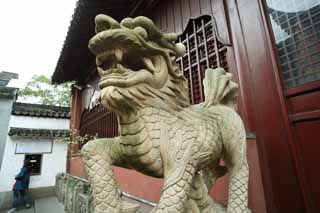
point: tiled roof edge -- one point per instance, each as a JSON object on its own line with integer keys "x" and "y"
{"x": 32, "y": 132}
{"x": 40, "y": 110}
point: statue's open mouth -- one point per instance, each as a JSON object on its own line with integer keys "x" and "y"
{"x": 118, "y": 59}
{"x": 133, "y": 52}
{"x": 118, "y": 67}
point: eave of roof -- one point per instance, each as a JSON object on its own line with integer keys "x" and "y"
{"x": 40, "y": 110}
{"x": 75, "y": 57}
{"x": 47, "y": 133}
{"x": 75, "y": 54}
{"x": 8, "y": 92}
{"x": 6, "y": 77}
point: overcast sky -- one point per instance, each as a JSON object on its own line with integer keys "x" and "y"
{"x": 32, "y": 35}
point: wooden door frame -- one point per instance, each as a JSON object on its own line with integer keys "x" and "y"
{"x": 249, "y": 28}
{"x": 283, "y": 95}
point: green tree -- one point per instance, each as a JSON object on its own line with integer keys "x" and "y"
{"x": 40, "y": 90}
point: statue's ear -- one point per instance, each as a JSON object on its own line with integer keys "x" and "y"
{"x": 104, "y": 22}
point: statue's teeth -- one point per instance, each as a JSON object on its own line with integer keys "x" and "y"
{"x": 98, "y": 61}
{"x": 119, "y": 66}
{"x": 149, "y": 64}
{"x": 105, "y": 55}
{"x": 100, "y": 71}
{"x": 119, "y": 54}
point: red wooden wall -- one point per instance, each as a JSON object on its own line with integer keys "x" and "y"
{"x": 262, "y": 102}
{"x": 286, "y": 122}
{"x": 218, "y": 52}
{"x": 299, "y": 78}
{"x": 270, "y": 118}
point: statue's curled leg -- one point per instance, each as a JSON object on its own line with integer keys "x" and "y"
{"x": 199, "y": 193}
{"x": 99, "y": 156}
{"x": 238, "y": 189}
{"x": 175, "y": 194}
{"x": 238, "y": 180}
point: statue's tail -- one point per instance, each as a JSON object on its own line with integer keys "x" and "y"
{"x": 219, "y": 88}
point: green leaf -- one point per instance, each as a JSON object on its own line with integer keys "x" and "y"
{"x": 40, "y": 90}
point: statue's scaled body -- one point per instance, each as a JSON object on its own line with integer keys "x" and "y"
{"x": 161, "y": 134}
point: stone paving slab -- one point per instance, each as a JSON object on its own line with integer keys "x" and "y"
{"x": 42, "y": 205}
{"x": 31, "y": 210}
{"x": 48, "y": 205}
{"x": 51, "y": 205}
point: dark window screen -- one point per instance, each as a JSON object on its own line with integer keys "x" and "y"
{"x": 296, "y": 28}
{"x": 36, "y": 162}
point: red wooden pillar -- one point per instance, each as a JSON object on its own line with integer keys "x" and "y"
{"x": 74, "y": 120}
{"x": 75, "y": 109}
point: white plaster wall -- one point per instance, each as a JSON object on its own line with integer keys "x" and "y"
{"x": 38, "y": 122}
{"x": 5, "y": 111}
{"x": 52, "y": 163}
{"x": 11, "y": 165}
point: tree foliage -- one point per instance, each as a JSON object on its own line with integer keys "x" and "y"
{"x": 40, "y": 90}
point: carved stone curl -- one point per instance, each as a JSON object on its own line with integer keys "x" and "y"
{"x": 161, "y": 134}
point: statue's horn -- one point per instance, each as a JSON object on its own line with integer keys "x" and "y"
{"x": 104, "y": 22}
{"x": 144, "y": 22}
{"x": 172, "y": 37}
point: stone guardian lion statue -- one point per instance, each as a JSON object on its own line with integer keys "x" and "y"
{"x": 161, "y": 134}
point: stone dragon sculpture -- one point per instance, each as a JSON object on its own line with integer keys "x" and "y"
{"x": 161, "y": 134}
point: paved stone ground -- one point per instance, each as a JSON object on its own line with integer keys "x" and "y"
{"x": 48, "y": 205}
{"x": 51, "y": 205}
{"x": 43, "y": 205}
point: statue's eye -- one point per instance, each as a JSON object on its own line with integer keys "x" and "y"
{"x": 142, "y": 32}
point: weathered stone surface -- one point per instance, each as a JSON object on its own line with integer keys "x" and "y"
{"x": 161, "y": 134}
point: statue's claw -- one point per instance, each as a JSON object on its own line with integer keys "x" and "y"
{"x": 127, "y": 207}
{"x": 158, "y": 210}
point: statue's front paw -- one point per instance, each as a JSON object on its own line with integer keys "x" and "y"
{"x": 127, "y": 207}
{"x": 157, "y": 210}
{"x": 219, "y": 207}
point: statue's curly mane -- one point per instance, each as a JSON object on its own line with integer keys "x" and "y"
{"x": 137, "y": 65}
{"x": 175, "y": 91}
{"x": 161, "y": 135}
{"x": 172, "y": 96}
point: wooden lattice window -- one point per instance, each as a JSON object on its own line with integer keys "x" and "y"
{"x": 99, "y": 121}
{"x": 204, "y": 49}
{"x": 296, "y": 28}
